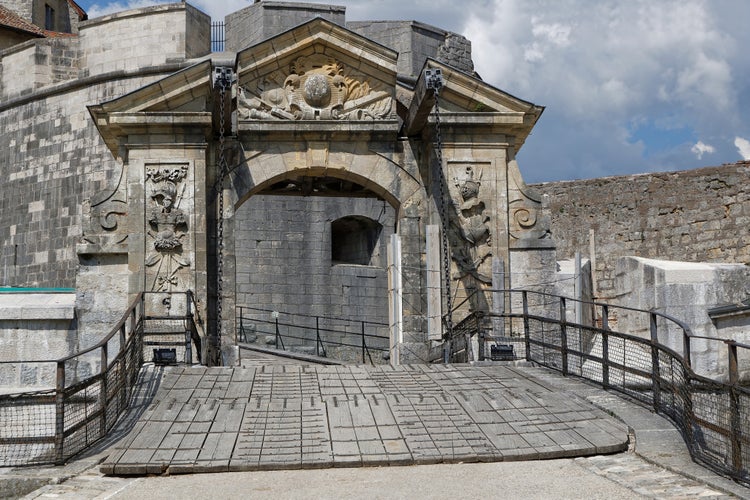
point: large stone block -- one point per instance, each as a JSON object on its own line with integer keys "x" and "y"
{"x": 685, "y": 291}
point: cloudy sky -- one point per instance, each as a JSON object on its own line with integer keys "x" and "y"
{"x": 629, "y": 86}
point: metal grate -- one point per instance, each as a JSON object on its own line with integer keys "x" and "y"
{"x": 218, "y": 37}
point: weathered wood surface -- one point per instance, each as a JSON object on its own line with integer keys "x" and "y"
{"x": 304, "y": 416}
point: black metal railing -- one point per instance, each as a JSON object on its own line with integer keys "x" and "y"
{"x": 90, "y": 389}
{"x": 218, "y": 36}
{"x": 659, "y": 363}
{"x": 343, "y": 339}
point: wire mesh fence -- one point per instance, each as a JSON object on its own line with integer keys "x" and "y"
{"x": 652, "y": 363}
{"x": 91, "y": 389}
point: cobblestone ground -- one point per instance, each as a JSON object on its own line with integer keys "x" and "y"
{"x": 646, "y": 479}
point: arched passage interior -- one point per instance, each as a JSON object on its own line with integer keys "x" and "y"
{"x": 313, "y": 249}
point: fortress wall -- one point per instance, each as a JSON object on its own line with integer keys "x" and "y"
{"x": 262, "y": 20}
{"x": 52, "y": 159}
{"x": 141, "y": 38}
{"x": 415, "y": 41}
{"x": 698, "y": 215}
{"x": 36, "y": 64}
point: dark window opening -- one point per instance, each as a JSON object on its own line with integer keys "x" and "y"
{"x": 354, "y": 240}
{"x": 49, "y": 18}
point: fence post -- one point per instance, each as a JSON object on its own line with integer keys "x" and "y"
{"x": 189, "y": 314}
{"x": 276, "y": 319}
{"x": 526, "y": 330}
{"x": 103, "y": 390}
{"x": 563, "y": 336}
{"x": 60, "y": 412}
{"x": 734, "y": 407}
{"x": 317, "y": 335}
{"x": 686, "y": 348}
{"x": 655, "y": 373}
{"x": 364, "y": 347}
{"x": 124, "y": 365}
{"x": 605, "y": 346}
{"x": 480, "y": 341}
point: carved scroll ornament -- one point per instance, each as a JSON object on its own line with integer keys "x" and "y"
{"x": 526, "y": 217}
{"x": 315, "y": 88}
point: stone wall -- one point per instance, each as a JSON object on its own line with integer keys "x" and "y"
{"x": 52, "y": 160}
{"x": 697, "y": 215}
{"x": 34, "y": 327}
{"x": 21, "y": 7}
{"x": 686, "y": 291}
{"x": 262, "y": 20}
{"x": 283, "y": 262}
{"x": 52, "y": 157}
{"x": 62, "y": 17}
{"x": 144, "y": 38}
{"x": 415, "y": 42}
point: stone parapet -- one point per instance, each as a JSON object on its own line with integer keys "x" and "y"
{"x": 142, "y": 38}
{"x": 34, "y": 325}
{"x": 263, "y": 20}
{"x": 697, "y": 215}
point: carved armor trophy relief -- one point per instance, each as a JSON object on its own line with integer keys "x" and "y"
{"x": 167, "y": 227}
{"x": 316, "y": 87}
{"x": 471, "y": 238}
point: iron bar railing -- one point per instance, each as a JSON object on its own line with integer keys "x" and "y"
{"x": 700, "y": 383}
{"x": 89, "y": 390}
{"x": 344, "y": 339}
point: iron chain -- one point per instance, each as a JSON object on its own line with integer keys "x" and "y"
{"x": 222, "y": 163}
{"x": 444, "y": 222}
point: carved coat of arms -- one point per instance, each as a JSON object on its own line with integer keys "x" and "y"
{"x": 316, "y": 87}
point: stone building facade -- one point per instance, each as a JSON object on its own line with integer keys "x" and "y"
{"x": 135, "y": 160}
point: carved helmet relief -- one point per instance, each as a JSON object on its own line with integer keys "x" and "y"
{"x": 316, "y": 87}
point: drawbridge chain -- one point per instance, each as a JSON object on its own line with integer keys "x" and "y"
{"x": 223, "y": 77}
{"x": 434, "y": 81}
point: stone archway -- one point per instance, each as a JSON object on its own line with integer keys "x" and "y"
{"x": 293, "y": 256}
{"x": 278, "y": 235}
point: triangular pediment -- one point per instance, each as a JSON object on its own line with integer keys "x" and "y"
{"x": 466, "y": 100}
{"x": 180, "y": 99}
{"x": 186, "y": 90}
{"x": 316, "y": 71}
{"x": 463, "y": 93}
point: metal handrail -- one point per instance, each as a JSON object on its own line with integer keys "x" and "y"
{"x": 320, "y": 342}
{"x": 712, "y": 415}
{"x": 52, "y": 425}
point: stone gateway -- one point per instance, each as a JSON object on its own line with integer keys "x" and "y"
{"x": 274, "y": 176}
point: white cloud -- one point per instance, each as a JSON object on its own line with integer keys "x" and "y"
{"x": 601, "y": 66}
{"x": 700, "y": 148}
{"x": 598, "y": 67}
{"x": 556, "y": 33}
{"x": 743, "y": 147}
